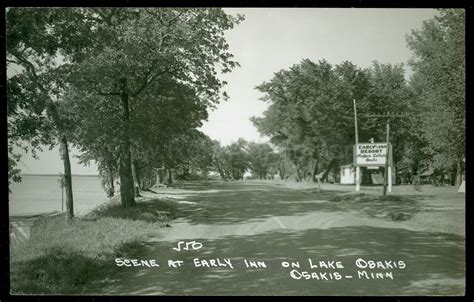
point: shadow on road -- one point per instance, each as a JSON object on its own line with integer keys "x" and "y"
{"x": 230, "y": 203}
{"x": 434, "y": 266}
{"x": 435, "y": 263}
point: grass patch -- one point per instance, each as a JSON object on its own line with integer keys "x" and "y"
{"x": 352, "y": 198}
{"x": 444, "y": 221}
{"x": 56, "y": 272}
{"x": 153, "y": 211}
{"x": 391, "y": 207}
{"x": 74, "y": 257}
{"x": 62, "y": 271}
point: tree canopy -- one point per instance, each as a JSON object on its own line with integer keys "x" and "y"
{"x": 310, "y": 114}
{"x": 128, "y": 86}
{"x": 438, "y": 84}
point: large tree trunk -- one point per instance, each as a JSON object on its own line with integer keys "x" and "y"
{"x": 110, "y": 176}
{"x": 127, "y": 194}
{"x": 335, "y": 171}
{"x": 67, "y": 177}
{"x": 170, "y": 177}
{"x": 161, "y": 175}
{"x": 125, "y": 170}
{"x": 298, "y": 178}
{"x": 330, "y": 166}
{"x": 186, "y": 172}
{"x": 136, "y": 181}
{"x": 280, "y": 171}
{"x": 219, "y": 168}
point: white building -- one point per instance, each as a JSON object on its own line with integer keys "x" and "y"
{"x": 347, "y": 174}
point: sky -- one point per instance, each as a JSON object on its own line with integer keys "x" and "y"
{"x": 271, "y": 39}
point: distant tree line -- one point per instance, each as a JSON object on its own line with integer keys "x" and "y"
{"x": 234, "y": 160}
{"x": 205, "y": 158}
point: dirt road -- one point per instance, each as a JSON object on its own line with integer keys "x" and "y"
{"x": 300, "y": 243}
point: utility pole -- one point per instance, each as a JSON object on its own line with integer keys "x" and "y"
{"x": 357, "y": 172}
{"x": 387, "y": 177}
{"x": 387, "y": 174}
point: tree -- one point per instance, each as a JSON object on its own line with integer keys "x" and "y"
{"x": 235, "y": 159}
{"x": 438, "y": 83}
{"x": 196, "y": 156}
{"x": 231, "y": 161}
{"x": 310, "y": 114}
{"x": 304, "y": 117}
{"x": 218, "y": 158}
{"x": 116, "y": 54}
{"x": 107, "y": 164}
{"x": 135, "y": 50}
{"x": 34, "y": 38}
{"x": 262, "y": 159}
{"x": 388, "y": 92}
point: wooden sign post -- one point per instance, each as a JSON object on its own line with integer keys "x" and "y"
{"x": 387, "y": 179}
{"x": 357, "y": 171}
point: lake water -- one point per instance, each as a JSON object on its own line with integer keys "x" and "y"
{"x": 42, "y": 193}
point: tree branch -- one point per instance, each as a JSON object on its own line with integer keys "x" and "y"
{"x": 162, "y": 21}
{"x": 107, "y": 18}
{"x": 100, "y": 92}
{"x": 146, "y": 81}
{"x": 31, "y": 70}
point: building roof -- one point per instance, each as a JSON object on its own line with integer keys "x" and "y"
{"x": 347, "y": 166}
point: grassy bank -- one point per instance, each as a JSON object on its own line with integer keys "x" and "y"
{"x": 434, "y": 212}
{"x": 73, "y": 257}
{"x": 438, "y": 210}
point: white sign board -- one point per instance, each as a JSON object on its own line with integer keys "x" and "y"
{"x": 370, "y": 154}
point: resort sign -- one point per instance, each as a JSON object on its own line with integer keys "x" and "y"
{"x": 371, "y": 154}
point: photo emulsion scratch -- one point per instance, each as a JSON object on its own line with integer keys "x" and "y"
{"x": 236, "y": 151}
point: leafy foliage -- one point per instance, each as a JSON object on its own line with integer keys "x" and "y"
{"x": 310, "y": 116}
{"x": 78, "y": 65}
{"x": 438, "y": 83}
